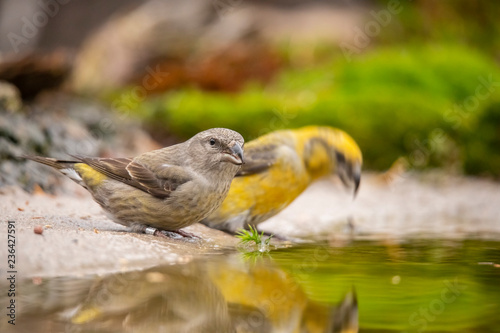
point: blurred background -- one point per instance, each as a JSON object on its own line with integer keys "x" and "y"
{"x": 412, "y": 81}
{"x": 415, "y": 82}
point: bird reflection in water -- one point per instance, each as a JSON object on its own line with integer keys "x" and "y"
{"x": 223, "y": 295}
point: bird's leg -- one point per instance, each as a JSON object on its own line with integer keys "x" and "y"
{"x": 351, "y": 225}
{"x": 184, "y": 233}
{"x": 275, "y": 236}
{"x": 168, "y": 234}
{"x": 177, "y": 234}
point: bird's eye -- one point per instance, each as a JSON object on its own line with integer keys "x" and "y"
{"x": 212, "y": 142}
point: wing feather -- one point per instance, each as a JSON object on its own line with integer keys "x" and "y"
{"x": 131, "y": 172}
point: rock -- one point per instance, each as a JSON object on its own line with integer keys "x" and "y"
{"x": 35, "y": 72}
{"x": 126, "y": 43}
{"x": 59, "y": 126}
{"x": 166, "y": 44}
{"x": 10, "y": 98}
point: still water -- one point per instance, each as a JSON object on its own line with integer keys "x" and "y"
{"x": 403, "y": 286}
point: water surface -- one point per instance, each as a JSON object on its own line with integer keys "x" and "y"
{"x": 390, "y": 286}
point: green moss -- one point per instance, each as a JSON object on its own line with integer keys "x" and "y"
{"x": 482, "y": 141}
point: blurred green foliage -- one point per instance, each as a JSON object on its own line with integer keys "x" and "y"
{"x": 427, "y": 88}
{"x": 436, "y": 105}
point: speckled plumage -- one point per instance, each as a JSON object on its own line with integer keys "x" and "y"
{"x": 279, "y": 167}
{"x": 169, "y": 188}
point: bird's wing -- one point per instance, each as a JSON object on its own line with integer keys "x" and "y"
{"x": 258, "y": 158}
{"x": 159, "y": 184}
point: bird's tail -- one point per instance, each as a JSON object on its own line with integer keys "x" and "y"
{"x": 52, "y": 162}
{"x": 64, "y": 166}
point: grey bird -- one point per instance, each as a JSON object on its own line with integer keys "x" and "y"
{"x": 162, "y": 190}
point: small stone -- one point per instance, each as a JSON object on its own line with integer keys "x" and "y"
{"x": 37, "y": 280}
{"x": 396, "y": 279}
{"x": 10, "y": 98}
{"x": 155, "y": 277}
{"x": 37, "y": 190}
{"x": 38, "y": 229}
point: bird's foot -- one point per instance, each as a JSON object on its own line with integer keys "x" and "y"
{"x": 276, "y": 236}
{"x": 186, "y": 234}
{"x": 177, "y": 234}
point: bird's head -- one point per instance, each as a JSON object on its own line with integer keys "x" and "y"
{"x": 332, "y": 151}
{"x": 218, "y": 145}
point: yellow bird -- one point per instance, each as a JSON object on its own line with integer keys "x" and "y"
{"x": 278, "y": 167}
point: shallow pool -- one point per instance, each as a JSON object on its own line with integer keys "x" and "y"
{"x": 366, "y": 286}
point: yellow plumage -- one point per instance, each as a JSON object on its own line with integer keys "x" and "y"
{"x": 279, "y": 167}
{"x": 91, "y": 177}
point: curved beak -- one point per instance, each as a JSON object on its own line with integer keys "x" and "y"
{"x": 234, "y": 154}
{"x": 349, "y": 173}
{"x": 357, "y": 180}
